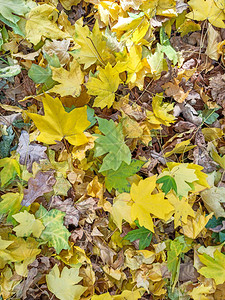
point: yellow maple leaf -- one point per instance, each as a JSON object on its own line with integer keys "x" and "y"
{"x": 41, "y": 22}
{"x": 64, "y": 285}
{"x": 57, "y": 124}
{"x": 108, "y": 10}
{"x": 133, "y": 64}
{"x": 184, "y": 174}
{"x": 200, "y": 291}
{"x": 90, "y": 48}
{"x": 104, "y": 87}
{"x": 146, "y": 204}
{"x": 195, "y": 225}
{"x": 203, "y": 10}
{"x": 28, "y": 224}
{"x": 182, "y": 209}
{"x": 121, "y": 209}
{"x": 161, "y": 111}
{"x": 70, "y": 81}
{"x": 214, "y": 267}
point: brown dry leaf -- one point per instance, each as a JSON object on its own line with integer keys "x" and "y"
{"x": 72, "y": 214}
{"x": 106, "y": 253}
{"x": 174, "y": 90}
{"x": 29, "y": 152}
{"x": 58, "y": 48}
{"x": 38, "y": 186}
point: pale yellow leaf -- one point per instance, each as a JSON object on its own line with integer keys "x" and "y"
{"x": 70, "y": 81}
{"x": 28, "y": 225}
{"x": 41, "y": 22}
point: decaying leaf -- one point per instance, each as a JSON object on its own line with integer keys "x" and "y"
{"x": 42, "y": 183}
{"x": 67, "y": 206}
{"x": 29, "y": 152}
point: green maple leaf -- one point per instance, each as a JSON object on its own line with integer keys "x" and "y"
{"x": 118, "y": 179}
{"x": 112, "y": 142}
{"x": 12, "y": 9}
{"x": 11, "y": 168}
{"x": 10, "y": 13}
{"x": 42, "y": 75}
{"x": 10, "y": 205}
{"x": 142, "y": 234}
{"x": 6, "y": 142}
{"x": 168, "y": 184}
{"x": 55, "y": 233}
{"x": 214, "y": 267}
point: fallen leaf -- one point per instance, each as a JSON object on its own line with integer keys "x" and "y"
{"x": 213, "y": 199}
{"x": 11, "y": 169}
{"x": 55, "y": 233}
{"x": 42, "y": 183}
{"x": 72, "y": 214}
{"x": 28, "y": 225}
{"x": 69, "y": 81}
{"x": 182, "y": 210}
{"x": 57, "y": 124}
{"x": 118, "y": 179}
{"x": 59, "y": 48}
{"x": 104, "y": 87}
{"x": 214, "y": 267}
{"x": 29, "y": 152}
{"x": 213, "y": 40}
{"x": 92, "y": 47}
{"x": 39, "y": 24}
{"x": 112, "y": 142}
{"x": 203, "y": 10}
{"x": 146, "y": 204}
{"x": 64, "y": 285}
